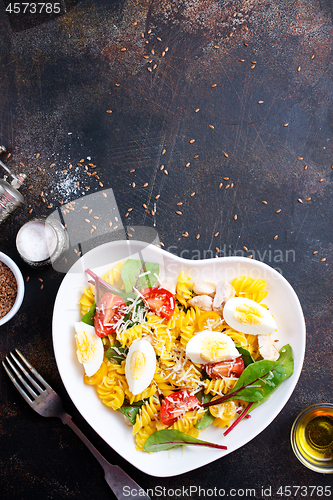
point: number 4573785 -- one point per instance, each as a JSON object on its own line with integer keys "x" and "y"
{"x": 33, "y": 8}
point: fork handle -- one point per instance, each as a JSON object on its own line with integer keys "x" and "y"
{"x": 120, "y": 483}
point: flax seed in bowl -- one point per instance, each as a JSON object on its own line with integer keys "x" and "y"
{"x": 11, "y": 288}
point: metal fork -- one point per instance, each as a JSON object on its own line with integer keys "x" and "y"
{"x": 47, "y": 403}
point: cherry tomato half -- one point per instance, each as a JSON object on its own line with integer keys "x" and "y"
{"x": 109, "y": 310}
{"x": 176, "y": 405}
{"x": 225, "y": 368}
{"x": 159, "y": 300}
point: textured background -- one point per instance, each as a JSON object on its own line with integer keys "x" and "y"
{"x": 126, "y": 86}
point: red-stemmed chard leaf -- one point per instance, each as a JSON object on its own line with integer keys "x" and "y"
{"x": 171, "y": 438}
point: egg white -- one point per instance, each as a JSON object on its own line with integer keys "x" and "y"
{"x": 90, "y": 349}
{"x": 247, "y": 316}
{"x": 139, "y": 379}
{"x": 211, "y": 347}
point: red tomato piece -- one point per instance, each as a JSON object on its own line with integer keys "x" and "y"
{"x": 225, "y": 368}
{"x": 109, "y": 310}
{"x": 159, "y": 300}
{"x": 176, "y": 405}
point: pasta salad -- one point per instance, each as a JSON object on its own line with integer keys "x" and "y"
{"x": 175, "y": 359}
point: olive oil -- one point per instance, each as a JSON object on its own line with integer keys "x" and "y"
{"x": 312, "y": 437}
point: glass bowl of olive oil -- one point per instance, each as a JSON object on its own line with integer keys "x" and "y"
{"x": 312, "y": 437}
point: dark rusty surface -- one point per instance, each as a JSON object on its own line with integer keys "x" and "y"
{"x": 59, "y": 79}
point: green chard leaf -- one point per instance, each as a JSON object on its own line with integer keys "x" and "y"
{"x": 132, "y": 271}
{"x": 257, "y": 382}
{"x": 286, "y": 360}
{"x": 116, "y": 353}
{"x": 170, "y": 438}
{"x": 247, "y": 358}
{"x": 130, "y": 412}
{"x": 88, "y": 318}
{"x": 207, "y": 419}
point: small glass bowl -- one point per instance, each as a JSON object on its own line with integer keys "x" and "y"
{"x": 312, "y": 437}
{"x": 20, "y": 287}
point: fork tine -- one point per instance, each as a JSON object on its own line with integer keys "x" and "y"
{"x": 19, "y": 376}
{"x": 18, "y": 387}
{"x": 34, "y": 371}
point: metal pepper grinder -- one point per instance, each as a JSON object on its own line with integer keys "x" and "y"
{"x": 10, "y": 198}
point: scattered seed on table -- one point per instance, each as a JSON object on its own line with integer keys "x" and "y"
{"x": 166, "y": 172}
{"x": 315, "y": 252}
{"x": 299, "y": 68}
{"x": 246, "y": 249}
{"x": 214, "y": 85}
{"x": 30, "y": 210}
{"x": 87, "y": 221}
{"x": 264, "y": 202}
{"x": 260, "y": 102}
{"x": 226, "y": 155}
{"x": 285, "y": 124}
{"x": 323, "y": 259}
{"x": 185, "y": 235}
{"x": 198, "y": 109}
{"x": 227, "y": 186}
{"x": 178, "y": 212}
{"x": 116, "y": 219}
{"x": 180, "y": 203}
{"x": 162, "y": 244}
{"x": 145, "y": 184}
{"x": 110, "y": 224}
{"x": 308, "y": 199}
{"x": 192, "y": 141}
{"x": 235, "y": 217}
{"x": 321, "y": 180}
{"x": 232, "y": 185}
{"x": 144, "y": 205}
{"x": 90, "y": 211}
{"x": 109, "y": 111}
{"x": 161, "y": 167}
{"x": 157, "y": 196}
{"x": 105, "y": 195}
{"x": 276, "y": 237}
{"x": 305, "y": 167}
{"x": 197, "y": 156}
{"x": 37, "y": 155}
{"x": 220, "y": 185}
{"x": 40, "y": 279}
{"x": 211, "y": 126}
{"x": 250, "y": 256}
{"x": 226, "y": 178}
{"x": 278, "y": 211}
{"x": 133, "y": 184}
{"x": 129, "y": 209}
{"x": 85, "y": 208}
{"x": 197, "y": 236}
{"x": 300, "y": 200}
{"x": 216, "y": 234}
{"x": 241, "y": 60}
{"x": 253, "y": 66}
{"x": 217, "y": 249}
{"x": 192, "y": 194}
{"x": 163, "y": 152}
{"x": 300, "y": 158}
{"x": 188, "y": 164}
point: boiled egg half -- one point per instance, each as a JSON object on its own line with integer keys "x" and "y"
{"x": 210, "y": 347}
{"x": 89, "y": 348}
{"x": 140, "y": 365}
{"x": 247, "y": 316}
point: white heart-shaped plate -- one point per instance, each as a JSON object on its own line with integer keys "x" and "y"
{"x": 110, "y": 425}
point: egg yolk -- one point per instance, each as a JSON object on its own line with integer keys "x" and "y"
{"x": 86, "y": 346}
{"x": 138, "y": 364}
{"x": 248, "y": 315}
{"x": 212, "y": 350}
